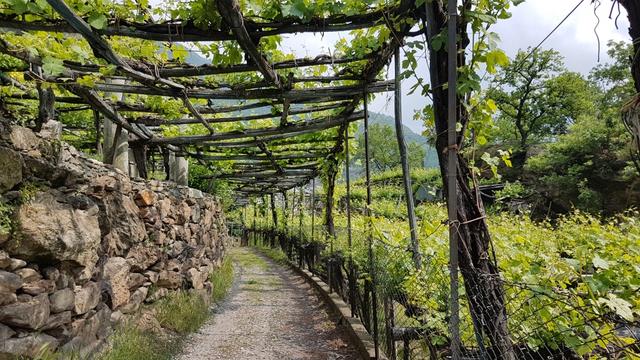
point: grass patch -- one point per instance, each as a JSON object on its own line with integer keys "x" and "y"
{"x": 221, "y": 280}
{"x": 130, "y": 343}
{"x": 247, "y": 259}
{"x": 182, "y": 312}
{"x": 276, "y": 255}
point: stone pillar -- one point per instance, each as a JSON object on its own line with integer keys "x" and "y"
{"x": 119, "y": 146}
{"x": 172, "y": 166}
{"x": 179, "y": 170}
{"x": 133, "y": 168}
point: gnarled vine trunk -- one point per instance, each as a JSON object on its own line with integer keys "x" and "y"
{"x": 482, "y": 281}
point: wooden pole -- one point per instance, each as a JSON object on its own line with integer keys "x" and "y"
{"x": 452, "y": 158}
{"x": 351, "y": 280}
{"x": 406, "y": 175}
{"x": 374, "y": 297}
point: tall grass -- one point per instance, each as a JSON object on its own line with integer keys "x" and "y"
{"x": 221, "y": 280}
{"x": 182, "y": 312}
{"x": 131, "y": 343}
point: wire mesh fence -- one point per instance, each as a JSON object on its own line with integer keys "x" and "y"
{"x": 407, "y": 310}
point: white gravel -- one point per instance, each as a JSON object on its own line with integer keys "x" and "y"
{"x": 270, "y": 313}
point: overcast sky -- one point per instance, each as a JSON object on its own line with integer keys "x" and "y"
{"x": 530, "y": 23}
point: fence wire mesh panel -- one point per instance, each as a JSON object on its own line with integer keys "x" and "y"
{"x": 540, "y": 316}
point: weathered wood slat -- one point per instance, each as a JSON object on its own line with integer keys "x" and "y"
{"x": 186, "y": 31}
{"x": 156, "y": 121}
{"x": 267, "y": 133}
{"x": 333, "y": 92}
{"x": 232, "y": 16}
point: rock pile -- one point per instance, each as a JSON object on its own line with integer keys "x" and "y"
{"x": 83, "y": 246}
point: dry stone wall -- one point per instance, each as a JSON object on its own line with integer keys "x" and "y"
{"x": 82, "y": 246}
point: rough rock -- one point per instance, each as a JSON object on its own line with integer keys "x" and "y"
{"x": 136, "y": 280}
{"x": 5, "y": 260}
{"x": 137, "y": 298}
{"x": 120, "y": 220}
{"x": 88, "y": 331}
{"x": 196, "y": 278}
{"x": 30, "y": 345}
{"x": 152, "y": 276}
{"x": 17, "y": 264}
{"x": 141, "y": 257}
{"x": 5, "y": 332}
{"x": 7, "y": 298}
{"x": 23, "y": 138}
{"x": 11, "y": 165}
{"x": 157, "y": 295}
{"x": 32, "y": 314}
{"x": 145, "y": 198}
{"x": 57, "y": 320}
{"x": 169, "y": 279}
{"x": 86, "y": 297}
{"x": 56, "y": 231}
{"x": 39, "y": 287}
{"x": 28, "y": 274}
{"x": 116, "y": 275}
{"x": 9, "y": 282}
{"x": 62, "y": 300}
{"x": 51, "y": 273}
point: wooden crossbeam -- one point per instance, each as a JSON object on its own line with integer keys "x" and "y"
{"x": 335, "y": 92}
{"x": 262, "y": 174}
{"x": 156, "y": 121}
{"x": 186, "y": 31}
{"x": 232, "y": 16}
{"x": 268, "y": 133}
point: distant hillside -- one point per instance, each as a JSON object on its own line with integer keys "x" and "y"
{"x": 431, "y": 158}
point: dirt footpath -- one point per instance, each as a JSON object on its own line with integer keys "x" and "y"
{"x": 270, "y": 313}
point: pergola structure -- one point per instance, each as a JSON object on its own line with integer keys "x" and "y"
{"x": 267, "y": 159}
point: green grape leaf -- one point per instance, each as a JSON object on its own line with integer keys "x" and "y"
{"x": 98, "y": 21}
{"x": 52, "y": 66}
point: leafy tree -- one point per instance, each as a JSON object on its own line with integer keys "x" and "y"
{"x": 536, "y": 99}
{"x": 384, "y": 152}
{"x": 591, "y": 167}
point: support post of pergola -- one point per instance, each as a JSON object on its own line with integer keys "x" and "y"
{"x": 179, "y": 168}
{"x": 116, "y": 140}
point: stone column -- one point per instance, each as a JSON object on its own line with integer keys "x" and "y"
{"x": 180, "y": 170}
{"x": 172, "y": 166}
{"x": 133, "y": 168}
{"x": 120, "y": 145}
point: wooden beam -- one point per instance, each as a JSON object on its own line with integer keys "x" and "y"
{"x": 92, "y": 98}
{"x": 186, "y": 31}
{"x": 183, "y": 71}
{"x": 232, "y": 16}
{"x": 156, "y": 121}
{"x": 331, "y": 92}
{"x": 269, "y": 133}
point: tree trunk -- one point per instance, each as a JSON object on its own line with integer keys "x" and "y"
{"x": 332, "y": 172}
{"x": 481, "y": 276}
{"x": 274, "y": 214}
{"x": 633, "y": 12}
{"x": 46, "y": 106}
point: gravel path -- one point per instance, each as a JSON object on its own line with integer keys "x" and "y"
{"x": 270, "y": 313}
